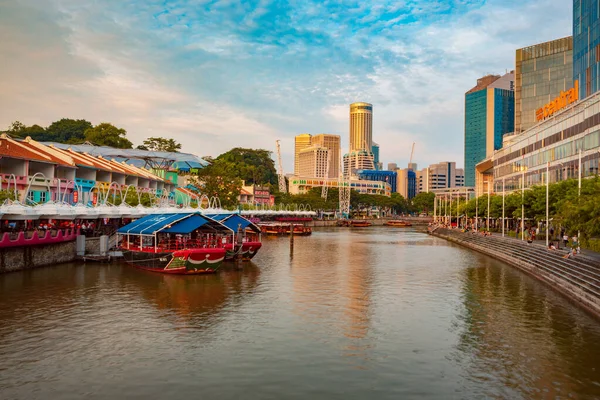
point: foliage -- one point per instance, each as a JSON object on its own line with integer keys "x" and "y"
{"x": 160, "y": 144}
{"x": 219, "y": 180}
{"x": 250, "y": 165}
{"x": 5, "y": 194}
{"x": 65, "y": 131}
{"x": 106, "y": 134}
{"x": 423, "y": 202}
{"x": 19, "y": 130}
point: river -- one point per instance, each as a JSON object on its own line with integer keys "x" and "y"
{"x": 381, "y": 313}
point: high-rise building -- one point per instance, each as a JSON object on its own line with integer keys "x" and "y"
{"x": 392, "y": 166}
{"x": 542, "y": 72}
{"x": 331, "y": 143}
{"x": 312, "y": 162}
{"x": 301, "y": 142}
{"x": 361, "y": 127}
{"x": 406, "y": 183}
{"x": 358, "y": 160}
{"x": 328, "y": 142}
{"x": 375, "y": 150}
{"x": 489, "y": 114}
{"x": 586, "y": 46}
{"x": 442, "y": 175}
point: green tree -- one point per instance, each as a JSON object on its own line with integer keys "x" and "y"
{"x": 19, "y": 130}
{"x": 253, "y": 166}
{"x": 423, "y": 202}
{"x": 106, "y": 134}
{"x": 65, "y": 131}
{"x": 160, "y": 144}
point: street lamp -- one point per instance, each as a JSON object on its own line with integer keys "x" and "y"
{"x": 488, "y": 206}
{"x": 457, "y": 205}
{"x": 476, "y": 209}
{"x": 523, "y": 203}
{"x": 503, "y": 207}
{"x": 547, "y": 199}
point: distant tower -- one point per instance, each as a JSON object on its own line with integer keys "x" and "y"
{"x": 361, "y": 127}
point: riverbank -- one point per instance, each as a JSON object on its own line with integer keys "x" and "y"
{"x": 577, "y": 278}
{"x": 415, "y": 221}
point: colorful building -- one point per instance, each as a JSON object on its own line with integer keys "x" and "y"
{"x": 381, "y": 176}
{"x": 298, "y": 185}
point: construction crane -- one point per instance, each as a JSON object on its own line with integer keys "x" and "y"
{"x": 325, "y": 188}
{"x": 411, "y": 155}
{"x": 344, "y": 188}
{"x": 280, "y": 175}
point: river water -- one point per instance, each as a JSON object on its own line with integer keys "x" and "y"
{"x": 351, "y": 314}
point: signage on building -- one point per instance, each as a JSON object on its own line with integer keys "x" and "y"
{"x": 94, "y": 198}
{"x": 75, "y": 196}
{"x": 562, "y": 101}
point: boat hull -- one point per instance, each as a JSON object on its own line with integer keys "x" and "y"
{"x": 180, "y": 262}
{"x": 398, "y": 223}
{"x": 248, "y": 251}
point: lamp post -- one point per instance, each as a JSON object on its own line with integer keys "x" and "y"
{"x": 579, "y": 189}
{"x": 450, "y": 211}
{"x": 476, "y": 210}
{"x": 547, "y": 199}
{"x": 523, "y": 203}
{"x": 488, "y": 206}
{"x": 457, "y": 213}
{"x": 503, "y": 207}
{"x": 434, "y": 208}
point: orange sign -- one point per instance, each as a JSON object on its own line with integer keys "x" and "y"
{"x": 563, "y": 100}
{"x": 75, "y": 196}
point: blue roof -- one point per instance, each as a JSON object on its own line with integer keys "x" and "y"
{"x": 187, "y": 225}
{"x": 232, "y": 221}
{"x": 150, "y": 224}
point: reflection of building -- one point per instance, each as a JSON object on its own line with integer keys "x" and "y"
{"x": 489, "y": 114}
{"x": 301, "y": 142}
{"x": 406, "y": 183}
{"x": 555, "y": 142}
{"x": 382, "y": 176}
{"x": 439, "y": 176}
{"x": 586, "y": 46}
{"x": 542, "y": 72}
{"x": 299, "y": 185}
{"x": 309, "y": 152}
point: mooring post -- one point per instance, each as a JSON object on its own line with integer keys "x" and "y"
{"x": 291, "y": 237}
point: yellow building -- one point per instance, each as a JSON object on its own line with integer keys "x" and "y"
{"x": 312, "y": 162}
{"x": 361, "y": 127}
{"x": 301, "y": 142}
{"x": 333, "y": 145}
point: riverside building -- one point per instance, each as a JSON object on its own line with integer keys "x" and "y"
{"x": 307, "y": 162}
{"x": 442, "y": 175}
{"x": 542, "y": 72}
{"x": 559, "y": 144}
{"x": 586, "y": 46}
{"x": 361, "y": 155}
{"x": 489, "y": 114}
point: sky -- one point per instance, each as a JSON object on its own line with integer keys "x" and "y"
{"x": 220, "y": 74}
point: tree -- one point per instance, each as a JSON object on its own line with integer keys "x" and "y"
{"x": 19, "y": 130}
{"x": 253, "y": 166}
{"x": 106, "y": 134}
{"x": 65, "y": 131}
{"x": 160, "y": 144}
{"x": 423, "y": 202}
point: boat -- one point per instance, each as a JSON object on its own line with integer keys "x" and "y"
{"x": 398, "y": 222}
{"x": 179, "y": 243}
{"x": 246, "y": 236}
{"x": 360, "y": 224}
{"x": 279, "y": 229}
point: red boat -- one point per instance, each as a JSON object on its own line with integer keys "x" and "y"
{"x": 184, "y": 243}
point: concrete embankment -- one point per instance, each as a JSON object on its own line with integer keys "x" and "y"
{"x": 20, "y": 258}
{"x": 576, "y": 278}
{"x": 415, "y": 221}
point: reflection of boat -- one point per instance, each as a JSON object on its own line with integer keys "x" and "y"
{"x": 360, "y": 224}
{"x": 276, "y": 229}
{"x": 398, "y": 222}
{"x": 186, "y": 243}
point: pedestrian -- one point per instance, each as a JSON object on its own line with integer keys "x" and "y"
{"x": 565, "y": 239}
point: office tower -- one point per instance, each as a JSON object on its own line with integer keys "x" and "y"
{"x": 331, "y": 143}
{"x": 440, "y": 176}
{"x": 375, "y": 150}
{"x": 406, "y": 183}
{"x": 489, "y": 114}
{"x": 361, "y": 127}
{"x": 392, "y": 166}
{"x": 312, "y": 162}
{"x": 301, "y": 142}
{"x": 542, "y": 72}
{"x": 586, "y": 46}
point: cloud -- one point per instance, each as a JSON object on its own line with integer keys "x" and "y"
{"x": 214, "y": 75}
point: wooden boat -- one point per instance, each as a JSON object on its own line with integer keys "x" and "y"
{"x": 398, "y": 222}
{"x": 279, "y": 229}
{"x": 360, "y": 224}
{"x": 246, "y": 237}
{"x": 183, "y": 243}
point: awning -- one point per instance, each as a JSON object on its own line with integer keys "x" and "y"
{"x": 188, "y": 225}
{"x": 151, "y": 224}
{"x": 232, "y": 221}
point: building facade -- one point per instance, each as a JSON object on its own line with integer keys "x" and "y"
{"x": 489, "y": 114}
{"x": 392, "y": 166}
{"x": 312, "y": 162}
{"x": 586, "y": 46}
{"x": 381, "y": 176}
{"x": 301, "y": 142}
{"x": 542, "y": 72}
{"x": 442, "y": 175}
{"x": 559, "y": 145}
{"x": 333, "y": 144}
{"x": 356, "y": 161}
{"x": 298, "y": 185}
{"x": 406, "y": 183}
{"x": 361, "y": 127}
{"x": 376, "y": 162}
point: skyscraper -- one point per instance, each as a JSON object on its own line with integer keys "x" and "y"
{"x": 301, "y": 142}
{"x": 542, "y": 72}
{"x": 312, "y": 162}
{"x": 361, "y": 127}
{"x": 330, "y": 143}
{"x": 586, "y": 46}
{"x": 489, "y": 114}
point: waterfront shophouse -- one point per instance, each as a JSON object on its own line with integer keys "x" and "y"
{"x": 299, "y": 185}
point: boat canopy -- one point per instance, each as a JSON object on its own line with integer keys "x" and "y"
{"x": 232, "y": 221}
{"x": 181, "y": 223}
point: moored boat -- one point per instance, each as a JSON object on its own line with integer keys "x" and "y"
{"x": 246, "y": 237}
{"x": 182, "y": 243}
{"x": 398, "y": 222}
{"x": 360, "y": 224}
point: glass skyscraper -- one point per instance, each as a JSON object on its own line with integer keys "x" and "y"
{"x": 489, "y": 114}
{"x": 586, "y": 46}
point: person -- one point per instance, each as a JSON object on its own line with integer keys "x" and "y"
{"x": 565, "y": 239}
{"x": 551, "y": 246}
{"x": 571, "y": 253}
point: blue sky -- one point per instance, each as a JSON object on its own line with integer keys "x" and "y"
{"x": 219, "y": 74}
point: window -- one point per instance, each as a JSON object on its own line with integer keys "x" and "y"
{"x": 42, "y": 197}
